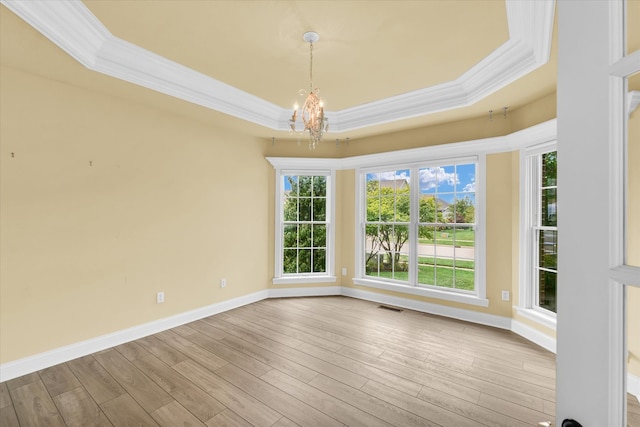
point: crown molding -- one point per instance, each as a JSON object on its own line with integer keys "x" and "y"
{"x": 534, "y": 135}
{"x": 633, "y": 101}
{"x": 72, "y": 26}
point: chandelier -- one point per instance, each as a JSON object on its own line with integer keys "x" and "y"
{"x": 312, "y": 111}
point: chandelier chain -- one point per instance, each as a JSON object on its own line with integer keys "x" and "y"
{"x": 311, "y": 66}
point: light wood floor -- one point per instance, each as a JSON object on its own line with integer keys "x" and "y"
{"x": 327, "y": 361}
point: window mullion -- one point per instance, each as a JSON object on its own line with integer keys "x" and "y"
{"x": 414, "y": 214}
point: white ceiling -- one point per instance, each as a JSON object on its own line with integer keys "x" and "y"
{"x": 381, "y": 66}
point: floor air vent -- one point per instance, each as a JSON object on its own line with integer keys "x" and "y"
{"x": 386, "y": 307}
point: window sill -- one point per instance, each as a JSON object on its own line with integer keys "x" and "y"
{"x": 425, "y": 292}
{"x": 297, "y": 279}
{"x": 538, "y": 317}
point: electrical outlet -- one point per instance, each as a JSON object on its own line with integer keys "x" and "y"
{"x": 344, "y": 271}
{"x": 505, "y": 295}
{"x": 223, "y": 283}
{"x": 160, "y": 297}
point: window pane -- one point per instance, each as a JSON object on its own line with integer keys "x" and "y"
{"x": 466, "y": 237}
{"x": 402, "y": 208}
{"x": 549, "y": 169}
{"x": 373, "y": 263}
{"x": 304, "y": 186}
{"x": 319, "y": 209}
{"x": 547, "y": 290}
{"x": 548, "y": 249}
{"x": 290, "y": 208}
{"x": 319, "y": 260}
{"x": 446, "y": 204}
{"x": 304, "y": 261}
{"x": 290, "y": 236}
{"x": 466, "y": 178}
{"x": 462, "y": 210}
{"x": 426, "y": 255}
{"x": 428, "y": 209}
{"x": 373, "y": 208}
{"x": 304, "y": 236}
{"x": 319, "y": 186}
{"x": 291, "y": 185}
{"x": 319, "y": 236}
{"x": 304, "y": 209}
{"x": 428, "y": 180}
{"x": 387, "y": 208}
{"x": 400, "y": 250}
{"x": 290, "y": 261}
{"x": 464, "y": 279}
{"x": 447, "y": 179}
{"x": 548, "y": 214}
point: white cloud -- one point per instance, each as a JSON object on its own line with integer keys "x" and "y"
{"x": 390, "y": 176}
{"x": 470, "y": 187}
{"x": 432, "y": 177}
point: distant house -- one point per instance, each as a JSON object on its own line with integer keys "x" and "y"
{"x": 397, "y": 183}
{"x": 441, "y": 205}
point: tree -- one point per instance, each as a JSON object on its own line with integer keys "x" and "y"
{"x": 386, "y": 204}
{"x": 429, "y": 212}
{"x": 462, "y": 210}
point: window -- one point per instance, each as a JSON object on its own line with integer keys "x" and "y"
{"x": 304, "y": 235}
{"x": 304, "y": 224}
{"x": 419, "y": 229}
{"x": 387, "y": 224}
{"x": 447, "y": 226}
{"x": 540, "y": 230}
{"x": 545, "y": 230}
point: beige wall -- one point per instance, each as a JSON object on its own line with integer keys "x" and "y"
{"x": 162, "y": 208}
{"x": 167, "y": 204}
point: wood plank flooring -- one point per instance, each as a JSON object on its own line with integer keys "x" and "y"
{"x": 326, "y": 361}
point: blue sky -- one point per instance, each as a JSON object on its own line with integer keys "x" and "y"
{"x": 446, "y": 182}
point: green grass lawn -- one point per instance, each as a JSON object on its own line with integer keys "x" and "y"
{"x": 446, "y": 237}
{"x": 444, "y": 262}
{"x": 464, "y": 279}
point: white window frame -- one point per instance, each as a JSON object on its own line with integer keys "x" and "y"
{"x": 478, "y": 296}
{"x": 622, "y": 65}
{"x": 287, "y": 169}
{"x": 529, "y": 210}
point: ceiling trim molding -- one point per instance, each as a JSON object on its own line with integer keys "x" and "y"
{"x": 633, "y": 101}
{"x": 72, "y": 27}
{"x": 534, "y": 135}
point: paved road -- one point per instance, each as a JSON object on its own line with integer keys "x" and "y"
{"x": 442, "y": 251}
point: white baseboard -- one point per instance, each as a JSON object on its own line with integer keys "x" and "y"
{"x": 44, "y": 360}
{"x": 441, "y": 310}
{"x": 53, "y": 357}
{"x": 304, "y": 292}
{"x": 533, "y": 335}
{"x": 633, "y": 385}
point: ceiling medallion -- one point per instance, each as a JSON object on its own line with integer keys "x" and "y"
{"x": 312, "y": 110}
